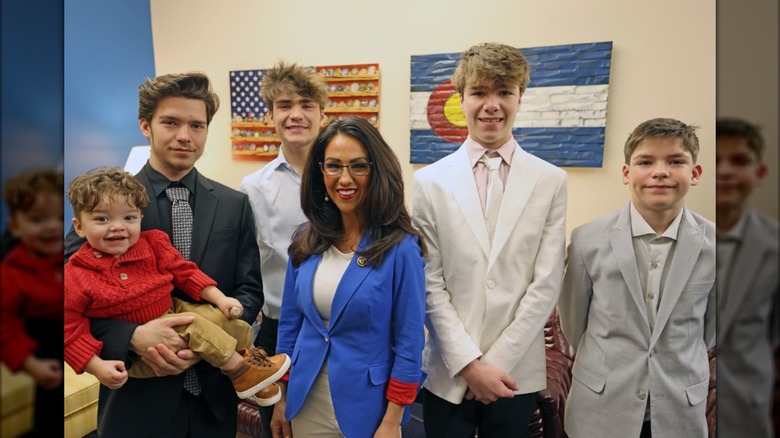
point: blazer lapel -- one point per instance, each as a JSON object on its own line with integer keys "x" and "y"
{"x": 746, "y": 264}
{"x": 690, "y": 239}
{"x": 622, "y": 246}
{"x": 350, "y": 281}
{"x": 203, "y": 217}
{"x": 464, "y": 191}
{"x": 520, "y": 184}
{"x": 151, "y": 219}
{"x": 306, "y": 273}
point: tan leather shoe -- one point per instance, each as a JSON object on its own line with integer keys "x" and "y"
{"x": 268, "y": 396}
{"x": 257, "y": 371}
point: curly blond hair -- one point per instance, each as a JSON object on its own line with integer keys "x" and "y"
{"x": 292, "y": 78}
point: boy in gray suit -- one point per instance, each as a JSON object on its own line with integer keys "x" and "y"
{"x": 748, "y": 287}
{"x": 638, "y": 299}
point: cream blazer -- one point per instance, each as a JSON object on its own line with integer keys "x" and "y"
{"x": 483, "y": 300}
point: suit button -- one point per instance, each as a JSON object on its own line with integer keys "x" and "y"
{"x": 491, "y": 284}
{"x": 123, "y": 276}
{"x": 641, "y": 395}
{"x": 326, "y": 338}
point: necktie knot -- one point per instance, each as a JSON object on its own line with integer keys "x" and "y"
{"x": 492, "y": 163}
{"x": 177, "y": 194}
{"x": 181, "y": 215}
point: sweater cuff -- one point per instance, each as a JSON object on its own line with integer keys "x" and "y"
{"x": 17, "y": 352}
{"x": 401, "y": 393}
{"x": 81, "y": 351}
{"x": 196, "y": 283}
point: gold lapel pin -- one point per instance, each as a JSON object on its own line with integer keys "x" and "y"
{"x": 361, "y": 261}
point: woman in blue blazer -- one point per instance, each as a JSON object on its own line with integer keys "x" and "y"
{"x": 353, "y": 307}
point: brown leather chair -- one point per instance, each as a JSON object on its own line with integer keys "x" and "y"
{"x": 249, "y": 423}
{"x": 547, "y": 419}
{"x": 711, "y": 412}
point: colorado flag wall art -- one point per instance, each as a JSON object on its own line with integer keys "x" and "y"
{"x": 562, "y": 116}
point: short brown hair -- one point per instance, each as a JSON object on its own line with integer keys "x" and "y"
{"x": 739, "y": 128}
{"x": 292, "y": 78}
{"x": 193, "y": 85}
{"x": 663, "y": 127}
{"x": 87, "y": 191}
{"x": 493, "y": 62}
{"x": 22, "y": 190}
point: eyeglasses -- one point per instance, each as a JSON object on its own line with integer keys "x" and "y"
{"x": 355, "y": 169}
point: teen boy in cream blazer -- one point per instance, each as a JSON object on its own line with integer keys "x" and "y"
{"x": 488, "y": 297}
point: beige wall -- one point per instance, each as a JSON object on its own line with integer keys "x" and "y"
{"x": 663, "y": 64}
{"x": 747, "y": 79}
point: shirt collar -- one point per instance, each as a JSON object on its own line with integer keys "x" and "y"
{"x": 475, "y": 150}
{"x": 160, "y": 182}
{"x": 282, "y": 165}
{"x": 640, "y": 227}
{"x": 736, "y": 232}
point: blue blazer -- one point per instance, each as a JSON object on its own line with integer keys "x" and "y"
{"x": 376, "y": 332}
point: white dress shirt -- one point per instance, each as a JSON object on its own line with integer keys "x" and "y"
{"x": 275, "y": 196}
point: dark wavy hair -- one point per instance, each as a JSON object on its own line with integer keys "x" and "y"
{"x": 387, "y": 220}
{"x": 192, "y": 85}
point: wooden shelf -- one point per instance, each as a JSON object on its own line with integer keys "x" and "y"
{"x": 251, "y": 125}
{"x": 254, "y": 155}
{"x": 257, "y": 152}
{"x": 266, "y": 139}
{"x": 373, "y": 93}
{"x": 352, "y": 109}
{"x": 350, "y": 78}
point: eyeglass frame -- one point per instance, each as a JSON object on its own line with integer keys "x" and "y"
{"x": 348, "y": 166}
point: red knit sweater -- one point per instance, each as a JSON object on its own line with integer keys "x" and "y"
{"x": 135, "y": 287}
{"x": 31, "y": 288}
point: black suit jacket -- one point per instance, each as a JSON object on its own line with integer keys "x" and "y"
{"x": 224, "y": 246}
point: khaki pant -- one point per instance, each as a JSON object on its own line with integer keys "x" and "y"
{"x": 210, "y": 334}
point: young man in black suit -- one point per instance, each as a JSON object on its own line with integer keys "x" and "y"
{"x": 174, "y": 114}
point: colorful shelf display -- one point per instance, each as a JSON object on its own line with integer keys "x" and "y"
{"x": 352, "y": 90}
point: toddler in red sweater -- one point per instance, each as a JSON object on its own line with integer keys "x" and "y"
{"x": 124, "y": 273}
{"x": 31, "y": 290}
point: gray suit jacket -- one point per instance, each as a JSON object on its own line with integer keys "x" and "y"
{"x": 620, "y": 360}
{"x": 747, "y": 333}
